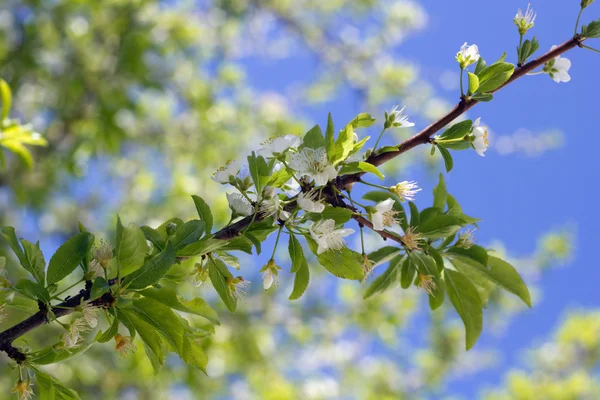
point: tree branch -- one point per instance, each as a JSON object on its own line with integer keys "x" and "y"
{"x": 8, "y": 336}
{"x": 464, "y": 105}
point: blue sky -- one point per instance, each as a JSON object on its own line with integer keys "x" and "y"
{"x": 519, "y": 198}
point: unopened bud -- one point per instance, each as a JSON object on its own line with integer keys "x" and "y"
{"x": 171, "y": 228}
{"x": 268, "y": 192}
{"x": 585, "y": 3}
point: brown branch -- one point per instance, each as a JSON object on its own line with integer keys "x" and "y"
{"x": 464, "y": 105}
{"x": 8, "y": 336}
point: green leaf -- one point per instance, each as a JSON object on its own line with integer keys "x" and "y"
{"x": 152, "y": 270}
{"x": 387, "y": 279}
{"x": 50, "y": 355}
{"x": 204, "y": 212}
{"x": 483, "y": 97}
{"x": 507, "y": 276}
{"x": 170, "y": 298}
{"x": 296, "y": 254}
{"x": 528, "y": 49}
{"x": 344, "y": 145}
{"x": 329, "y": 137}
{"x": 314, "y": 138}
{"x": 339, "y": 214}
{"x": 440, "y": 194}
{"x": 187, "y": 233}
{"x": 345, "y": 263}
{"x": 154, "y": 237}
{"x": 466, "y": 301}
{"x": 362, "y": 120}
{"x": 360, "y": 166}
{"x": 279, "y": 178}
{"x": 113, "y": 329}
{"x": 21, "y": 151}
{"x": 378, "y": 196}
{"x": 301, "y": 281}
{"x": 473, "y": 272}
{"x": 68, "y": 256}
{"x": 34, "y": 290}
{"x": 259, "y": 171}
{"x": 149, "y": 335}
{"x": 218, "y": 273}
{"x": 162, "y": 319}
{"x": 130, "y": 248}
{"x": 475, "y": 253}
{"x": 426, "y": 265}
{"x": 194, "y": 355}
{"x": 591, "y": 30}
{"x": 51, "y": 388}
{"x": 473, "y": 82}
{"x": 11, "y": 237}
{"x": 448, "y": 161}
{"x": 383, "y": 255}
{"x": 440, "y": 226}
{"x": 229, "y": 259}
{"x": 36, "y": 264}
{"x": 458, "y": 130}
{"x": 414, "y": 214}
{"x": 408, "y": 272}
{"x": 6, "y": 97}
{"x": 494, "y": 76}
{"x": 99, "y": 287}
{"x": 481, "y": 64}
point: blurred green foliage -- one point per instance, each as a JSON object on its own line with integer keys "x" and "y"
{"x": 151, "y": 97}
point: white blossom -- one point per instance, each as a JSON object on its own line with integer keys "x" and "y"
{"x": 327, "y": 237}
{"x": 558, "y": 68}
{"x": 307, "y": 202}
{"x": 406, "y": 190}
{"x": 124, "y": 345}
{"x": 480, "y": 133}
{"x": 314, "y": 164}
{"x": 239, "y": 204}
{"x": 223, "y": 175}
{"x": 279, "y": 145}
{"x": 383, "y": 215}
{"x": 270, "y": 274}
{"x": 23, "y": 390}
{"x": 524, "y": 21}
{"x": 397, "y": 118}
{"x": 467, "y": 55}
{"x": 273, "y": 207}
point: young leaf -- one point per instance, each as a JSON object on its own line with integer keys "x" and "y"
{"x": 296, "y": 254}
{"x": 507, "y": 276}
{"x": 343, "y": 145}
{"x": 339, "y": 214}
{"x": 6, "y": 97}
{"x": 329, "y": 139}
{"x": 314, "y": 138}
{"x": 36, "y": 264}
{"x": 34, "y": 290}
{"x": 193, "y": 354}
{"x": 458, "y": 130}
{"x": 149, "y": 334}
{"x": 218, "y": 273}
{"x": 300, "y": 281}
{"x": 448, "y": 161}
{"x": 360, "y": 166}
{"x": 383, "y": 255}
{"x": 152, "y": 270}
{"x": 171, "y": 299}
{"x": 188, "y": 233}
{"x": 440, "y": 194}
{"x": 344, "y": 263}
{"x": 408, "y": 272}
{"x": 51, "y": 388}
{"x": 204, "y": 212}
{"x": 591, "y": 30}
{"x": 466, "y": 301}
{"x": 494, "y": 76}
{"x": 387, "y": 279}
{"x": 68, "y": 256}
{"x": 162, "y": 319}
{"x": 473, "y": 82}
{"x": 113, "y": 329}
{"x": 130, "y": 247}
{"x": 481, "y": 64}
{"x": 362, "y": 120}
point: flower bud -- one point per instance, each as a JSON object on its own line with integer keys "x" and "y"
{"x": 585, "y": 3}
{"x": 268, "y": 192}
{"x": 171, "y": 228}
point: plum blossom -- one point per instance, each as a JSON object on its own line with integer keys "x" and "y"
{"x": 314, "y": 164}
{"x": 327, "y": 237}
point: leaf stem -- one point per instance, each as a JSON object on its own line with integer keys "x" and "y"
{"x": 590, "y": 48}
{"x": 462, "y": 91}
{"x": 577, "y": 23}
{"x": 276, "y": 242}
{"x": 379, "y": 138}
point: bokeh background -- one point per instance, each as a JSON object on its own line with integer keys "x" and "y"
{"x": 142, "y": 100}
